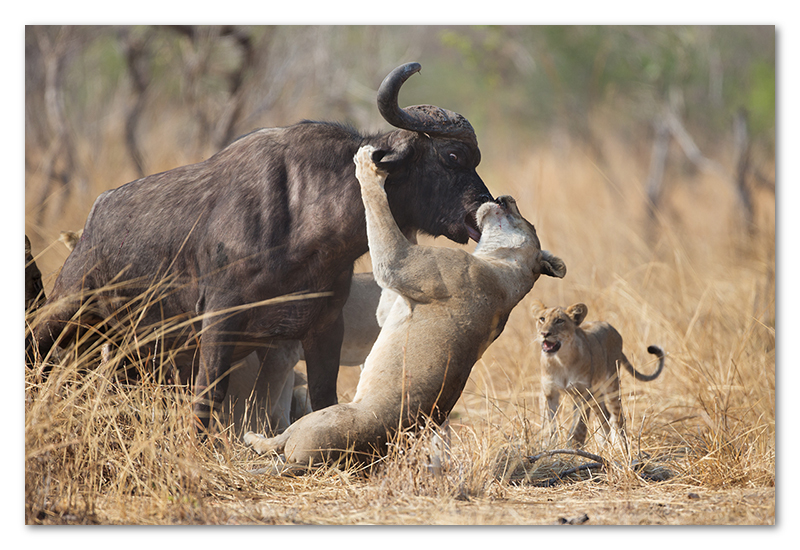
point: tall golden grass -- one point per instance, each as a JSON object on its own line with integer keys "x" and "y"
{"x": 100, "y": 450}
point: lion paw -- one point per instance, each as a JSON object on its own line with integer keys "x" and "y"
{"x": 366, "y": 171}
{"x": 257, "y": 441}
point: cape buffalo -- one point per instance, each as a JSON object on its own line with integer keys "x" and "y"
{"x": 258, "y": 241}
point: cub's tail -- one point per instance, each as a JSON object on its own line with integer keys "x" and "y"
{"x": 654, "y": 350}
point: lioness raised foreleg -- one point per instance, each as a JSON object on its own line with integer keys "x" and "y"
{"x": 397, "y": 264}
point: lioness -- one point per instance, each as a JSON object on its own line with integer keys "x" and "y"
{"x": 584, "y": 361}
{"x": 451, "y": 306}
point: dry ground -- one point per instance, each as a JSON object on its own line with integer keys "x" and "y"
{"x": 100, "y": 452}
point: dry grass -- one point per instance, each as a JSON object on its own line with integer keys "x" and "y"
{"x": 100, "y": 451}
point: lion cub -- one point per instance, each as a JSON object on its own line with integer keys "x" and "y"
{"x": 584, "y": 362}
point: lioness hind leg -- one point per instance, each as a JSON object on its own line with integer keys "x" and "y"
{"x": 262, "y": 444}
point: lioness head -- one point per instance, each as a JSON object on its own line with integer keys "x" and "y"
{"x": 556, "y": 326}
{"x": 503, "y": 228}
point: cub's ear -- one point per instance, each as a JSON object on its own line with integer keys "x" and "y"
{"x": 391, "y": 155}
{"x": 551, "y": 265}
{"x": 536, "y": 308}
{"x": 577, "y": 312}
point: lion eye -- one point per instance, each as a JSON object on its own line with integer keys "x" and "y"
{"x": 559, "y": 321}
{"x": 541, "y": 319}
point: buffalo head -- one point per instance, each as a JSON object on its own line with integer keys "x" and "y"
{"x": 437, "y": 150}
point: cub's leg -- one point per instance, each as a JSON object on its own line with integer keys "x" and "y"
{"x": 551, "y": 395}
{"x": 582, "y": 410}
{"x": 610, "y": 408}
{"x": 615, "y": 425}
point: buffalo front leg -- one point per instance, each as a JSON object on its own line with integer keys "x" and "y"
{"x": 322, "y": 350}
{"x": 216, "y": 355}
{"x": 56, "y": 324}
{"x": 276, "y": 381}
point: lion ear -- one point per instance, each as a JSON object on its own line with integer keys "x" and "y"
{"x": 577, "y": 312}
{"x": 536, "y": 307}
{"x": 551, "y": 265}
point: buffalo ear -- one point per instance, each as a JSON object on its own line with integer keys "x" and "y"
{"x": 551, "y": 265}
{"x": 392, "y": 155}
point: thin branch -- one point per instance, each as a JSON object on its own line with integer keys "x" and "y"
{"x": 559, "y": 478}
{"x": 690, "y": 148}
{"x": 576, "y": 452}
{"x": 599, "y": 464}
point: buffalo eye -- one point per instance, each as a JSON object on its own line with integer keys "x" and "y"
{"x": 453, "y": 157}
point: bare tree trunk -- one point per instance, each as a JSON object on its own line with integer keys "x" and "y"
{"x": 655, "y": 177}
{"x": 196, "y": 56}
{"x": 742, "y": 144}
{"x": 217, "y": 129}
{"x": 54, "y": 52}
{"x": 233, "y": 113}
{"x": 138, "y": 67}
{"x": 669, "y": 126}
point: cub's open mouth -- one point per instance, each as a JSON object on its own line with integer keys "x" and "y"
{"x": 471, "y": 221}
{"x": 550, "y": 347}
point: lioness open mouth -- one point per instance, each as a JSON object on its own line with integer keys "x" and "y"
{"x": 550, "y": 347}
{"x": 471, "y": 221}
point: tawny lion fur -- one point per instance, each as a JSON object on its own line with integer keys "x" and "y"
{"x": 452, "y": 305}
{"x": 584, "y": 360}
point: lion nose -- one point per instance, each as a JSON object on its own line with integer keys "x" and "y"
{"x": 503, "y": 202}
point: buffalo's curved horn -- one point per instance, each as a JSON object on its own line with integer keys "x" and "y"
{"x": 429, "y": 119}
